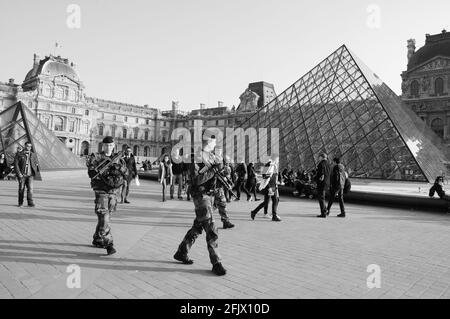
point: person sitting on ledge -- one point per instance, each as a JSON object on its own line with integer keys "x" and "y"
{"x": 439, "y": 189}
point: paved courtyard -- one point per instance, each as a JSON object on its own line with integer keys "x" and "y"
{"x": 300, "y": 257}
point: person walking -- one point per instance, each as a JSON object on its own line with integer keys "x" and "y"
{"x": 269, "y": 187}
{"x": 106, "y": 186}
{"x": 202, "y": 190}
{"x": 132, "y": 174}
{"x": 165, "y": 175}
{"x": 323, "y": 182}
{"x": 26, "y": 167}
{"x": 177, "y": 170}
{"x": 337, "y": 184}
{"x": 3, "y": 166}
{"x": 251, "y": 180}
{"x": 241, "y": 172}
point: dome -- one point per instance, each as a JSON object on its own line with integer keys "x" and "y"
{"x": 53, "y": 66}
{"x": 56, "y": 68}
{"x": 435, "y": 45}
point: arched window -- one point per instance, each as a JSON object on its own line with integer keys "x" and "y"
{"x": 113, "y": 130}
{"x": 146, "y": 135}
{"x": 59, "y": 123}
{"x": 136, "y": 133}
{"x": 437, "y": 125}
{"x": 439, "y": 86}
{"x": 146, "y": 151}
{"x": 415, "y": 88}
{"x": 136, "y": 150}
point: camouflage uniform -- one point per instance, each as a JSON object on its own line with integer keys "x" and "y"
{"x": 105, "y": 196}
{"x": 203, "y": 190}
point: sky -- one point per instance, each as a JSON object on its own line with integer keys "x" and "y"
{"x": 205, "y": 51}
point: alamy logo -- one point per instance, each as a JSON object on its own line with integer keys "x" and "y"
{"x": 374, "y": 279}
{"x": 235, "y": 140}
{"x": 74, "y": 19}
{"x": 74, "y": 279}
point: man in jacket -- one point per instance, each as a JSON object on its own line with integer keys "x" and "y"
{"x": 132, "y": 173}
{"x": 241, "y": 172}
{"x": 323, "y": 183}
{"x": 337, "y": 183}
{"x": 105, "y": 187}
{"x": 26, "y": 167}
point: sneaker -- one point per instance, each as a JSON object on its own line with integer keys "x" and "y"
{"x": 183, "y": 258}
{"x": 322, "y": 216}
{"x": 218, "y": 269}
{"x": 249, "y": 199}
{"x": 31, "y": 205}
{"x": 341, "y": 215}
{"x": 227, "y": 224}
{"x": 110, "y": 250}
{"x": 180, "y": 197}
{"x": 266, "y": 215}
{"x": 276, "y": 218}
{"x": 20, "y": 205}
{"x": 328, "y": 212}
{"x": 252, "y": 214}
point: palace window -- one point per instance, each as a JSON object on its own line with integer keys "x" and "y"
{"x": 74, "y": 110}
{"x": 126, "y": 119}
{"x": 113, "y": 130}
{"x": 100, "y": 130}
{"x": 86, "y": 128}
{"x": 86, "y": 112}
{"x": 137, "y": 120}
{"x": 415, "y": 88}
{"x": 72, "y": 126}
{"x": 59, "y": 123}
{"x": 439, "y": 86}
{"x": 146, "y": 135}
{"x": 136, "y": 133}
{"x": 124, "y": 133}
{"x": 437, "y": 125}
{"x": 147, "y": 121}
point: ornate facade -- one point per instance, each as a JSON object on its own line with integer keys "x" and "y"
{"x": 53, "y": 90}
{"x": 426, "y": 83}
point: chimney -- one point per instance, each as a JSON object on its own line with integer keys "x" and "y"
{"x": 11, "y": 82}
{"x": 219, "y": 103}
{"x": 36, "y": 59}
{"x": 202, "y": 106}
{"x": 411, "y": 48}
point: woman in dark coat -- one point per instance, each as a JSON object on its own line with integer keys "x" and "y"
{"x": 251, "y": 180}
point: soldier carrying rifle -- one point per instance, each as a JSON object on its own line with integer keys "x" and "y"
{"x": 203, "y": 188}
{"x": 107, "y": 171}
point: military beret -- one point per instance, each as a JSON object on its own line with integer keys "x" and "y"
{"x": 108, "y": 139}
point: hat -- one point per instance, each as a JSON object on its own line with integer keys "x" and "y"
{"x": 108, "y": 139}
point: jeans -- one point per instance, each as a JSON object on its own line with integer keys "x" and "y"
{"x": 275, "y": 199}
{"x": 340, "y": 195}
{"x": 26, "y": 181}
{"x": 178, "y": 178}
{"x": 125, "y": 189}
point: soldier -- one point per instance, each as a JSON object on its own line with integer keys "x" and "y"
{"x": 220, "y": 200}
{"x": 105, "y": 186}
{"x": 202, "y": 191}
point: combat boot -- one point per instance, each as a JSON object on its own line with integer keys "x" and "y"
{"x": 110, "y": 250}
{"x": 227, "y": 224}
{"x": 218, "y": 269}
{"x": 183, "y": 258}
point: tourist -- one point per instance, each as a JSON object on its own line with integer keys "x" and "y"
{"x": 337, "y": 184}
{"x": 132, "y": 174}
{"x": 241, "y": 172}
{"x": 251, "y": 180}
{"x": 323, "y": 182}
{"x": 177, "y": 170}
{"x": 3, "y": 166}
{"x": 269, "y": 188}
{"x": 165, "y": 175}
{"x": 26, "y": 167}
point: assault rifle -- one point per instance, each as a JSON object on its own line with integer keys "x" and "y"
{"x": 223, "y": 180}
{"x": 106, "y": 164}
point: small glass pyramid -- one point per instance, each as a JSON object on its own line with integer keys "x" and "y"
{"x": 19, "y": 125}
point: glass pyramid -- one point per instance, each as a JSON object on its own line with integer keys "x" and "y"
{"x": 19, "y": 125}
{"x": 342, "y": 108}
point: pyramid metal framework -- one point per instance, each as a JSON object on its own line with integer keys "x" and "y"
{"x": 343, "y": 109}
{"x": 19, "y": 125}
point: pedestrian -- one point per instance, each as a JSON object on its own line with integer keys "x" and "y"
{"x": 165, "y": 175}
{"x": 3, "y": 166}
{"x": 251, "y": 180}
{"x": 130, "y": 160}
{"x": 229, "y": 174}
{"x": 177, "y": 170}
{"x": 323, "y": 182}
{"x": 105, "y": 186}
{"x": 202, "y": 191}
{"x": 241, "y": 172}
{"x": 26, "y": 167}
{"x": 337, "y": 184}
{"x": 269, "y": 187}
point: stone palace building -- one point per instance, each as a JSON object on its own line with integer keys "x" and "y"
{"x": 53, "y": 90}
